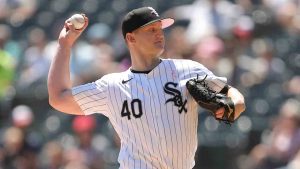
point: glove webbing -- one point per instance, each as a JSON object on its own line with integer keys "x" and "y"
{"x": 228, "y": 116}
{"x": 207, "y": 96}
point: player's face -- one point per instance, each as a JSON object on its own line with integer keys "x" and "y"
{"x": 150, "y": 39}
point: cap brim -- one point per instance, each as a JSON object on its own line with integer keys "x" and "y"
{"x": 165, "y": 22}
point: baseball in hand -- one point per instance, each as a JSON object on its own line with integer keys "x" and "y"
{"x": 77, "y": 20}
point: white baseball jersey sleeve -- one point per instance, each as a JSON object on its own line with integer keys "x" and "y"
{"x": 153, "y": 114}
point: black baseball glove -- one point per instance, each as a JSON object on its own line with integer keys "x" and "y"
{"x": 211, "y": 100}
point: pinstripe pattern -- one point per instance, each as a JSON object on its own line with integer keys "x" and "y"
{"x": 171, "y": 120}
{"x": 153, "y": 114}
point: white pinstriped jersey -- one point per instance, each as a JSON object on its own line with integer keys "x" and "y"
{"x": 153, "y": 114}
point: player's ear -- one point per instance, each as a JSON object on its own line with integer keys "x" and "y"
{"x": 130, "y": 38}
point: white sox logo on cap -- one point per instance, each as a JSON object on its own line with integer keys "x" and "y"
{"x": 153, "y": 11}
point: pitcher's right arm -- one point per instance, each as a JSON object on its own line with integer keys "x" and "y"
{"x": 59, "y": 82}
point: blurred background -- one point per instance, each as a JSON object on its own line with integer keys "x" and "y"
{"x": 254, "y": 43}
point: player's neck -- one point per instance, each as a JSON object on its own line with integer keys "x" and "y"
{"x": 139, "y": 63}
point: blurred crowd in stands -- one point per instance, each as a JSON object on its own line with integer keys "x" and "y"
{"x": 254, "y": 43}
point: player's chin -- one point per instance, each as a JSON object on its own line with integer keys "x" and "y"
{"x": 160, "y": 51}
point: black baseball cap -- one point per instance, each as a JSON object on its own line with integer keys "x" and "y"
{"x": 141, "y": 17}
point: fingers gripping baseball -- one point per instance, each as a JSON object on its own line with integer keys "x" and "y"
{"x": 69, "y": 34}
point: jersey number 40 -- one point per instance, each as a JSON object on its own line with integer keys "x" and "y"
{"x": 135, "y": 107}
